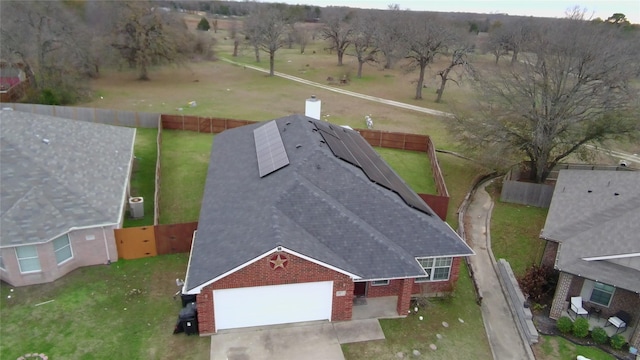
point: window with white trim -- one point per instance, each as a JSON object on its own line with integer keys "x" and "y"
{"x": 28, "y": 258}
{"x": 62, "y": 248}
{"x": 601, "y": 294}
{"x": 437, "y": 269}
{"x": 380, "y": 283}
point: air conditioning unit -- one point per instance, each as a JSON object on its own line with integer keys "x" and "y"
{"x": 136, "y": 207}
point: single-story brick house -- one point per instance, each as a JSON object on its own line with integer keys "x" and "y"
{"x": 298, "y": 218}
{"x": 64, "y": 189}
{"x": 593, "y": 239}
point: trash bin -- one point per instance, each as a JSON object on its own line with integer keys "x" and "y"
{"x": 187, "y": 320}
{"x": 186, "y": 299}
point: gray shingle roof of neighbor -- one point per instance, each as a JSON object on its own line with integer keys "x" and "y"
{"x": 317, "y": 205}
{"x": 58, "y": 174}
{"x": 595, "y": 214}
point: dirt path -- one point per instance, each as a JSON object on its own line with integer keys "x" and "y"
{"x": 345, "y": 92}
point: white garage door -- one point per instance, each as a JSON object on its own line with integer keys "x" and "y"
{"x": 269, "y": 305}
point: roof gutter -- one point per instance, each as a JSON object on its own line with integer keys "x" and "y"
{"x": 127, "y": 180}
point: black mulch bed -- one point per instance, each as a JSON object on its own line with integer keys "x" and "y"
{"x": 547, "y": 326}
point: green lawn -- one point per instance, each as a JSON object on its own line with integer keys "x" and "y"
{"x": 412, "y": 166}
{"x": 184, "y": 162}
{"x": 459, "y": 341}
{"x": 558, "y": 348}
{"x": 515, "y": 231}
{"x": 143, "y": 175}
{"x": 120, "y": 311}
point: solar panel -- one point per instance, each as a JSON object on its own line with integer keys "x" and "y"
{"x": 270, "y": 150}
{"x": 354, "y": 149}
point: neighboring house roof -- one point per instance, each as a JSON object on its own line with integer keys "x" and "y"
{"x": 316, "y": 205}
{"x": 595, "y": 216}
{"x": 58, "y": 174}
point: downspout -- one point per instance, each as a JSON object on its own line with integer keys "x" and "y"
{"x": 106, "y": 246}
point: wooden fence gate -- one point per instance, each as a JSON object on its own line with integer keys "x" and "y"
{"x": 136, "y": 242}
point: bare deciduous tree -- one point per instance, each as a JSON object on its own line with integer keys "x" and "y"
{"x": 497, "y": 44}
{"x": 364, "y": 48}
{"x": 146, "y": 36}
{"x": 337, "y": 29}
{"x": 573, "y": 91}
{"x": 302, "y": 35}
{"x": 424, "y": 38}
{"x": 388, "y": 34}
{"x": 47, "y": 38}
{"x": 270, "y": 23}
{"x": 459, "y": 58}
{"x": 253, "y": 34}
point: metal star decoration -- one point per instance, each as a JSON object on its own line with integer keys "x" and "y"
{"x": 278, "y": 261}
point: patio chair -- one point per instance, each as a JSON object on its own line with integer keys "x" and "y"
{"x": 620, "y": 321}
{"x": 576, "y": 307}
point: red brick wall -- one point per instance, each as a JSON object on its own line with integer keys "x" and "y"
{"x": 404, "y": 296}
{"x": 260, "y": 273}
{"x": 392, "y": 289}
{"x": 435, "y": 288}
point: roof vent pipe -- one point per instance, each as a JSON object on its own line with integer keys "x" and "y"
{"x": 312, "y": 107}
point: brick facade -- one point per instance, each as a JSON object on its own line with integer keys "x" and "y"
{"x": 438, "y": 288}
{"x": 260, "y": 273}
{"x": 92, "y": 246}
{"x": 299, "y": 270}
{"x": 569, "y": 286}
{"x": 560, "y": 297}
{"x": 404, "y": 297}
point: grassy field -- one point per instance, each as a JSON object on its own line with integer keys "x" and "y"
{"x": 558, "y": 348}
{"x": 120, "y": 311}
{"x": 143, "y": 175}
{"x": 461, "y": 340}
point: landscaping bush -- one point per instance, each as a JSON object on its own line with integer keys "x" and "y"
{"x": 599, "y": 335}
{"x": 580, "y": 327}
{"x": 564, "y": 324}
{"x": 617, "y": 341}
{"x": 538, "y": 282}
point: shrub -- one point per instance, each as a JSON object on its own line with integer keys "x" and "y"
{"x": 203, "y": 25}
{"x": 617, "y": 341}
{"x": 564, "y": 324}
{"x": 538, "y": 281}
{"x": 581, "y": 327}
{"x": 599, "y": 335}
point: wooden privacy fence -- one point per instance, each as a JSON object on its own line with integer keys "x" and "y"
{"x": 147, "y": 241}
{"x": 439, "y": 203}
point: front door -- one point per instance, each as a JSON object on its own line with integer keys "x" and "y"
{"x": 360, "y": 289}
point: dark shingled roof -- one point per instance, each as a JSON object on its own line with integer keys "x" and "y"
{"x": 596, "y": 214}
{"x": 58, "y": 174}
{"x": 318, "y": 205}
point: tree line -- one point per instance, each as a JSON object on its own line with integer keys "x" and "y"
{"x": 568, "y": 82}
{"x": 62, "y": 44}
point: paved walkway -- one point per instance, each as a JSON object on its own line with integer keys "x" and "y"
{"x": 502, "y": 332}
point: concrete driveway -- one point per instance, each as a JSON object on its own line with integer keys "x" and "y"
{"x": 303, "y": 341}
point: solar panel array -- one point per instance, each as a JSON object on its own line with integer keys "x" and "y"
{"x": 270, "y": 150}
{"x": 349, "y": 146}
